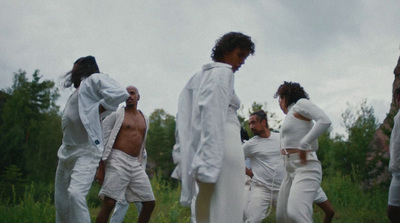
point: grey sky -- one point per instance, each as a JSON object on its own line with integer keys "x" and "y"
{"x": 340, "y": 51}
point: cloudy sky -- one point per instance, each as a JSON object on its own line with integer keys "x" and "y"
{"x": 341, "y": 51}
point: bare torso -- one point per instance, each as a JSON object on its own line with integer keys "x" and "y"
{"x": 131, "y": 134}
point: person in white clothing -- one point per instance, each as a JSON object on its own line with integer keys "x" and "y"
{"x": 299, "y": 136}
{"x": 125, "y": 179}
{"x": 121, "y": 207}
{"x": 96, "y": 95}
{"x": 394, "y": 162}
{"x": 264, "y": 153}
{"x": 208, "y": 148}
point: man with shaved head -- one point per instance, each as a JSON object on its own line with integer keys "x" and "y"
{"x": 120, "y": 171}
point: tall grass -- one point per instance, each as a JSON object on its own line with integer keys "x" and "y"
{"x": 350, "y": 201}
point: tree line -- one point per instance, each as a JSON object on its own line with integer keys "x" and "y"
{"x": 30, "y": 125}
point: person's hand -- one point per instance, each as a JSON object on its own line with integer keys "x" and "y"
{"x": 303, "y": 157}
{"x": 100, "y": 173}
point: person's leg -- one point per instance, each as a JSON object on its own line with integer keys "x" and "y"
{"x": 203, "y": 202}
{"x": 145, "y": 213}
{"x": 61, "y": 197}
{"x": 281, "y": 206}
{"x": 105, "y": 211}
{"x": 306, "y": 182}
{"x": 328, "y": 210}
{"x": 119, "y": 212}
{"x": 394, "y": 199}
{"x": 259, "y": 201}
{"x": 82, "y": 176}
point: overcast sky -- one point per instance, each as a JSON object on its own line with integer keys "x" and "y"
{"x": 341, "y": 51}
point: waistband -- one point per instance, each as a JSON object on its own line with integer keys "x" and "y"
{"x": 117, "y": 152}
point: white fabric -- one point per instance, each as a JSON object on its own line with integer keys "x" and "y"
{"x": 200, "y": 127}
{"x": 125, "y": 179}
{"x": 111, "y": 126}
{"x": 98, "y": 89}
{"x": 77, "y": 163}
{"x": 74, "y": 176}
{"x": 259, "y": 201}
{"x": 74, "y": 132}
{"x": 266, "y": 160}
{"x": 298, "y": 189}
{"x": 296, "y": 133}
{"x": 223, "y": 202}
{"x": 394, "y": 148}
{"x": 122, "y": 207}
{"x": 394, "y": 191}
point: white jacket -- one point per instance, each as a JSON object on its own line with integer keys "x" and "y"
{"x": 111, "y": 126}
{"x": 94, "y": 90}
{"x": 202, "y": 112}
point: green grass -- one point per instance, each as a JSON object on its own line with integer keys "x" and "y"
{"x": 351, "y": 204}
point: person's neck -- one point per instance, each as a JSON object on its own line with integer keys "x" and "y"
{"x": 131, "y": 109}
{"x": 265, "y": 134}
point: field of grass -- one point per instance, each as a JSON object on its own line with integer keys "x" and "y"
{"x": 351, "y": 204}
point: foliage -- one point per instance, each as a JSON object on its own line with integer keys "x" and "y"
{"x": 11, "y": 183}
{"x": 160, "y": 141}
{"x": 30, "y": 126}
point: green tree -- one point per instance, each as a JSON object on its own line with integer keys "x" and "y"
{"x": 160, "y": 142}
{"x": 358, "y": 154}
{"x": 30, "y": 126}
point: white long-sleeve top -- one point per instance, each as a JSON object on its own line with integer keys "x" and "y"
{"x": 94, "y": 90}
{"x": 301, "y": 134}
{"x": 266, "y": 160}
{"x": 202, "y": 114}
{"x": 394, "y": 146}
{"x": 111, "y": 126}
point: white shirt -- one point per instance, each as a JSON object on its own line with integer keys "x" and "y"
{"x": 111, "y": 126}
{"x": 394, "y": 147}
{"x": 266, "y": 160}
{"x": 202, "y": 114}
{"x": 301, "y": 134}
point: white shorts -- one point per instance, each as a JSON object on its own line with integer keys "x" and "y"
{"x": 394, "y": 191}
{"x": 125, "y": 179}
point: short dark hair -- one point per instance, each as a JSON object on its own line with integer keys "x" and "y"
{"x": 291, "y": 91}
{"x": 230, "y": 41}
{"x": 261, "y": 115}
{"x": 83, "y": 67}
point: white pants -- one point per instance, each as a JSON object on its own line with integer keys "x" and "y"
{"x": 74, "y": 176}
{"x": 120, "y": 211}
{"x": 260, "y": 198}
{"x": 298, "y": 189}
{"x": 394, "y": 191}
{"x": 223, "y": 202}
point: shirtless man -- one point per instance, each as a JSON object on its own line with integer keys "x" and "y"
{"x": 120, "y": 171}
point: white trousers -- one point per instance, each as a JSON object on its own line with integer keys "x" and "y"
{"x": 223, "y": 202}
{"x": 394, "y": 191}
{"x": 74, "y": 176}
{"x": 120, "y": 211}
{"x": 298, "y": 189}
{"x": 260, "y": 198}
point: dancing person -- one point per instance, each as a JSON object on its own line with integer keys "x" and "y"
{"x": 125, "y": 133}
{"x": 82, "y": 142}
{"x": 299, "y": 136}
{"x": 394, "y": 162}
{"x": 208, "y": 148}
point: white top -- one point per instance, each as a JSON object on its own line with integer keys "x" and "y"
{"x": 266, "y": 160}
{"x": 74, "y": 132}
{"x": 94, "y": 90}
{"x": 394, "y": 148}
{"x": 206, "y": 103}
{"x": 111, "y": 126}
{"x": 301, "y": 134}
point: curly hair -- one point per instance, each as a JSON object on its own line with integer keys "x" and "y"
{"x": 291, "y": 91}
{"x": 83, "y": 67}
{"x": 230, "y": 41}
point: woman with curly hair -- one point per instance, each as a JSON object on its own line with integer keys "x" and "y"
{"x": 208, "y": 147}
{"x": 303, "y": 124}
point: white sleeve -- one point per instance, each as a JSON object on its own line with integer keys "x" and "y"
{"x": 322, "y": 122}
{"x": 214, "y": 101}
